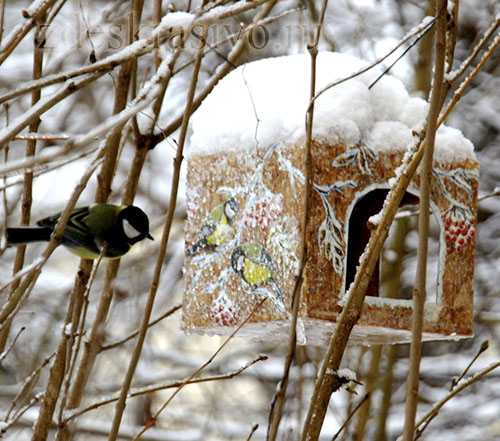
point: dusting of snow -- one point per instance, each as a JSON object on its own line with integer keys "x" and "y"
{"x": 68, "y": 330}
{"x": 375, "y": 219}
{"x": 177, "y": 19}
{"x": 347, "y": 374}
{"x": 275, "y": 93}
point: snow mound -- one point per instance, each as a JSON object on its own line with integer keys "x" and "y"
{"x": 264, "y": 102}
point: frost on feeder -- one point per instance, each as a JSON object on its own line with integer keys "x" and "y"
{"x": 245, "y": 201}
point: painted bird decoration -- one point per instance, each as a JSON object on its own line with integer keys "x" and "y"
{"x": 217, "y": 228}
{"x": 107, "y": 228}
{"x": 256, "y": 267}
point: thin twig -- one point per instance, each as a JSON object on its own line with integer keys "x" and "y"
{"x": 370, "y": 384}
{"x": 403, "y": 54}
{"x": 437, "y": 407}
{"x": 2, "y": 16}
{"x": 134, "y": 334}
{"x": 254, "y": 429}
{"x": 9, "y": 423}
{"x": 38, "y": 48}
{"x": 42, "y": 136}
{"x": 484, "y": 346}
{"x": 220, "y": 73}
{"x": 32, "y": 15}
{"x": 158, "y": 387}
{"x": 419, "y": 292}
{"x": 466, "y": 82}
{"x": 493, "y": 194}
{"x": 80, "y": 325}
{"x": 453, "y": 76}
{"x": 120, "y": 405}
{"x": 351, "y": 414}
{"x": 278, "y": 402}
{"x": 28, "y": 384}
{"x": 204, "y": 365}
{"x": 57, "y": 371}
{"x": 139, "y": 48}
{"x": 422, "y": 27}
{"x": 12, "y": 344}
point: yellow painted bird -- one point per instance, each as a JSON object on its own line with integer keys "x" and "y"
{"x": 217, "y": 229}
{"x": 90, "y": 230}
{"x": 256, "y": 267}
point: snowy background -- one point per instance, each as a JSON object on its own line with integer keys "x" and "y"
{"x": 227, "y": 410}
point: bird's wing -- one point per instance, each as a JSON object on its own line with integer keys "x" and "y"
{"x": 218, "y": 215}
{"x": 207, "y": 229}
{"x": 51, "y": 221}
{"x": 76, "y": 233}
{"x": 263, "y": 258}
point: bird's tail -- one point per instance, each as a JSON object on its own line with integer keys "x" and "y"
{"x": 24, "y": 235}
{"x": 279, "y": 298}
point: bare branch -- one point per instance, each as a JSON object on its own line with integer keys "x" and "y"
{"x": 136, "y": 332}
{"x": 422, "y": 27}
{"x": 351, "y": 414}
{"x": 460, "y": 387}
{"x": 419, "y": 292}
{"x": 32, "y": 15}
{"x": 120, "y": 405}
{"x": 278, "y": 403}
{"x": 204, "y": 365}
{"x": 158, "y": 387}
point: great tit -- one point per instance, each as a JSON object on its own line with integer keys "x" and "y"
{"x": 111, "y": 229}
{"x": 217, "y": 229}
{"x": 256, "y": 267}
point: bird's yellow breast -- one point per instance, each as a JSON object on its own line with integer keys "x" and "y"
{"x": 254, "y": 273}
{"x": 221, "y": 235}
{"x": 83, "y": 252}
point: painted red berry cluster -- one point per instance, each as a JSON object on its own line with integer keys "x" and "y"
{"x": 224, "y": 312}
{"x": 459, "y": 229}
{"x": 262, "y": 213}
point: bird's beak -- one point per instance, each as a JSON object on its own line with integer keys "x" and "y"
{"x": 150, "y": 237}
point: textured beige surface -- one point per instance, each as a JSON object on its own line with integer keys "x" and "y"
{"x": 268, "y": 186}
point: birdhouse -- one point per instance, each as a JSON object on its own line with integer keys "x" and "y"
{"x": 245, "y": 204}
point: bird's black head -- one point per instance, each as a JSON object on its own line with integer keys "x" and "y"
{"x": 135, "y": 224}
{"x": 237, "y": 259}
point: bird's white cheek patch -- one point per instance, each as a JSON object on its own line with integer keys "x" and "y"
{"x": 241, "y": 262}
{"x": 129, "y": 230}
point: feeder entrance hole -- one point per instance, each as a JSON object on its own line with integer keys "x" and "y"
{"x": 359, "y": 233}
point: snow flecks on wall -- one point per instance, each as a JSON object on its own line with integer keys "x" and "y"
{"x": 265, "y": 102}
{"x": 249, "y": 241}
{"x": 246, "y": 190}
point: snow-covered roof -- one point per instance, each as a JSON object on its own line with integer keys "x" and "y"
{"x": 265, "y": 101}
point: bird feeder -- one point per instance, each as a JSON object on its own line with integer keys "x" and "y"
{"x": 245, "y": 211}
